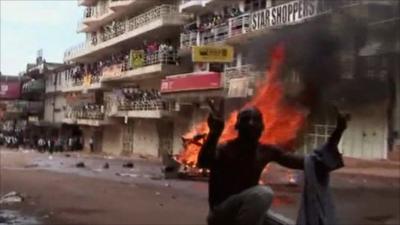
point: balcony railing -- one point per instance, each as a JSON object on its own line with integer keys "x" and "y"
{"x": 142, "y": 105}
{"x": 34, "y": 86}
{"x": 157, "y": 57}
{"x": 236, "y": 72}
{"x": 91, "y": 112}
{"x": 119, "y": 28}
{"x": 231, "y": 28}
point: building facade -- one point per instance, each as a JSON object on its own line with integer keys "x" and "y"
{"x": 132, "y": 84}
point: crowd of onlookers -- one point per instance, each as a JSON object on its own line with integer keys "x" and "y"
{"x": 207, "y": 22}
{"x": 86, "y": 111}
{"x": 15, "y": 139}
{"x": 153, "y": 52}
{"x": 134, "y": 98}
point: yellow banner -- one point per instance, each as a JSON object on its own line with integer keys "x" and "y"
{"x": 213, "y": 54}
{"x": 137, "y": 58}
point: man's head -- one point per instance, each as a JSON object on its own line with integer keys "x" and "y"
{"x": 249, "y": 124}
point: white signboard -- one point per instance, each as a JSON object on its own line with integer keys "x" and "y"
{"x": 288, "y": 13}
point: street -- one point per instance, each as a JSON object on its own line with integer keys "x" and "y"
{"x": 57, "y": 192}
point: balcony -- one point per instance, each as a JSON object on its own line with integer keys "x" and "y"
{"x": 162, "y": 21}
{"x": 86, "y": 2}
{"x": 88, "y": 83}
{"x": 151, "y": 65}
{"x": 33, "y": 86}
{"x": 241, "y": 27}
{"x": 94, "y": 18}
{"x": 225, "y": 31}
{"x": 141, "y": 109}
{"x": 239, "y": 81}
{"x": 193, "y": 6}
{"x": 89, "y": 115}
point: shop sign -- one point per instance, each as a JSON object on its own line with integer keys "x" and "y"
{"x": 212, "y": 54}
{"x": 191, "y": 82}
{"x": 289, "y": 13}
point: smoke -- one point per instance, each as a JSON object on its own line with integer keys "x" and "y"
{"x": 315, "y": 53}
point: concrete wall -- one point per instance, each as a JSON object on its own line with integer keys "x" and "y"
{"x": 366, "y": 136}
{"x": 145, "y": 137}
{"x": 48, "y": 109}
{"x": 60, "y": 102}
{"x": 112, "y": 139}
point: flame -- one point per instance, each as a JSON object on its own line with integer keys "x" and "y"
{"x": 282, "y": 121}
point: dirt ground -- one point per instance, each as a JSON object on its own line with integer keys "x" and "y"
{"x": 59, "y": 193}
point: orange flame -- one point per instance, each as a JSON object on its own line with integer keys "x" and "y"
{"x": 282, "y": 121}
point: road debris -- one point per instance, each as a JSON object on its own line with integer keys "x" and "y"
{"x": 67, "y": 155}
{"x": 11, "y": 197}
{"x": 106, "y": 166}
{"x": 158, "y": 193}
{"x": 128, "y": 165}
{"x": 133, "y": 175}
{"x": 157, "y": 177}
{"x": 80, "y": 165}
{"x": 31, "y": 166}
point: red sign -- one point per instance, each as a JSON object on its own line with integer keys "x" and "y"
{"x": 10, "y": 89}
{"x": 191, "y": 82}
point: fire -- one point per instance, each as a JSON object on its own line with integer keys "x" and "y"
{"x": 282, "y": 121}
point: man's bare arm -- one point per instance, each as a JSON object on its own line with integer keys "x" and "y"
{"x": 293, "y": 161}
{"x": 208, "y": 151}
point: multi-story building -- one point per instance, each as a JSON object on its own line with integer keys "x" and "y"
{"x": 130, "y": 47}
{"x": 372, "y": 130}
{"x": 125, "y": 73}
{"x": 10, "y": 92}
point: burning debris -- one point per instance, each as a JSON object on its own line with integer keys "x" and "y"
{"x": 283, "y": 120}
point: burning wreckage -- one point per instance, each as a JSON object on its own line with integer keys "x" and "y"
{"x": 283, "y": 122}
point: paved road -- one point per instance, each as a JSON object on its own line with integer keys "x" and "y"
{"x": 59, "y": 193}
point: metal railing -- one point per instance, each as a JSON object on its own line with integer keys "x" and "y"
{"x": 34, "y": 86}
{"x": 232, "y": 27}
{"x": 189, "y": 39}
{"x": 123, "y": 27}
{"x": 142, "y": 105}
{"x": 157, "y": 57}
{"x": 95, "y": 112}
{"x": 236, "y": 72}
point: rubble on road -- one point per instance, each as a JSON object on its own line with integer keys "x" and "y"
{"x": 67, "y": 155}
{"x": 31, "y": 166}
{"x": 106, "y": 166}
{"x": 127, "y": 175}
{"x": 157, "y": 177}
{"x": 80, "y": 165}
{"x": 128, "y": 165}
{"x": 11, "y": 197}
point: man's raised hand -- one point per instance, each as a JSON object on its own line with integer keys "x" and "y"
{"x": 216, "y": 118}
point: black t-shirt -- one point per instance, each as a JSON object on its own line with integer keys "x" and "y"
{"x": 235, "y": 169}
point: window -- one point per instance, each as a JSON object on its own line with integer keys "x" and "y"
{"x": 318, "y": 133}
{"x": 254, "y": 5}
